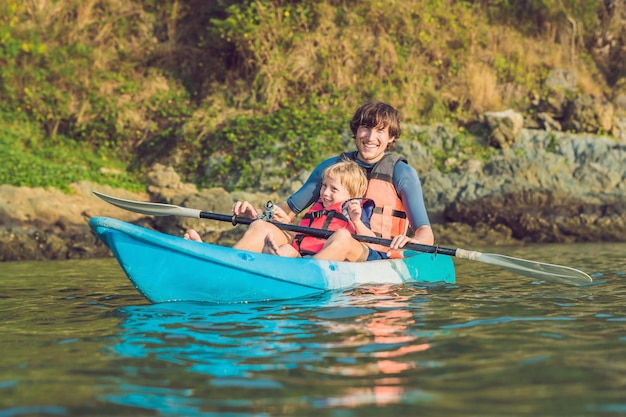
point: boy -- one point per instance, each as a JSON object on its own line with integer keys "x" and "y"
{"x": 339, "y": 209}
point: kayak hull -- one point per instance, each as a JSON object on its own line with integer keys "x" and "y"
{"x": 169, "y": 268}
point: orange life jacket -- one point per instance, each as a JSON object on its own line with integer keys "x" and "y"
{"x": 318, "y": 217}
{"x": 389, "y": 216}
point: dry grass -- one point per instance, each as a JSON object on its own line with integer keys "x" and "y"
{"x": 420, "y": 55}
{"x": 482, "y": 88}
{"x": 110, "y": 28}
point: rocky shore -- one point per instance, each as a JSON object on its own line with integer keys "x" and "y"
{"x": 539, "y": 187}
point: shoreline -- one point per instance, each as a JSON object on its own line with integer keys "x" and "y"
{"x": 532, "y": 192}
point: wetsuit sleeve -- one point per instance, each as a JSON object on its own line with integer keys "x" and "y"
{"x": 409, "y": 189}
{"x": 310, "y": 190}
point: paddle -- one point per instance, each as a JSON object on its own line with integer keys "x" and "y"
{"x": 532, "y": 269}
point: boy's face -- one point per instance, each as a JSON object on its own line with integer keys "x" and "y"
{"x": 372, "y": 142}
{"x": 333, "y": 192}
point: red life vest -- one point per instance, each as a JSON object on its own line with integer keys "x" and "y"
{"x": 318, "y": 217}
{"x": 389, "y": 218}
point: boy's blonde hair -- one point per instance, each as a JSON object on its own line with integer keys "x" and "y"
{"x": 351, "y": 176}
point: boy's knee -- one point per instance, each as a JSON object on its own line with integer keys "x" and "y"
{"x": 258, "y": 225}
{"x": 342, "y": 235}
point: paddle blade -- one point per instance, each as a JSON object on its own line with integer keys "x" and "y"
{"x": 537, "y": 270}
{"x": 152, "y": 209}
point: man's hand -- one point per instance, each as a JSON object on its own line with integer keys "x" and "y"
{"x": 280, "y": 216}
{"x": 244, "y": 209}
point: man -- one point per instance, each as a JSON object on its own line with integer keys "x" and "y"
{"x": 393, "y": 185}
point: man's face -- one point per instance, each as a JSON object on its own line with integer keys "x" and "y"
{"x": 371, "y": 143}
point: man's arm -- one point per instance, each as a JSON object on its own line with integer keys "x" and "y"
{"x": 424, "y": 235}
{"x": 409, "y": 189}
{"x": 285, "y": 215}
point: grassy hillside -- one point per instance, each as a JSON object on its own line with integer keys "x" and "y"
{"x": 226, "y": 90}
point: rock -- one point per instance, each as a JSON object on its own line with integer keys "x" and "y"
{"x": 561, "y": 78}
{"x": 545, "y": 216}
{"x": 472, "y": 236}
{"x": 30, "y": 242}
{"x": 164, "y": 185}
{"x": 589, "y": 114}
{"x": 216, "y": 200}
{"x": 416, "y": 154}
{"x": 553, "y": 104}
{"x": 620, "y": 102}
{"x": 16, "y": 245}
{"x": 504, "y": 126}
{"x": 39, "y": 224}
{"x": 619, "y": 128}
{"x": 548, "y": 123}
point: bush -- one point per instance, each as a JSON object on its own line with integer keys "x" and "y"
{"x": 248, "y": 150}
{"x": 34, "y": 162}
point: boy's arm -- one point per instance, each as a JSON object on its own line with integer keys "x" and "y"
{"x": 362, "y": 229}
{"x": 355, "y": 213}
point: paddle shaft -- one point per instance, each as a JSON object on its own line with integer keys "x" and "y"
{"x": 325, "y": 234}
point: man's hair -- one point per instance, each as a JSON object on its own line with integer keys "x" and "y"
{"x": 377, "y": 114}
{"x": 351, "y": 176}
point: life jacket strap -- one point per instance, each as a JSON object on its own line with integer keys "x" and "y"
{"x": 394, "y": 213}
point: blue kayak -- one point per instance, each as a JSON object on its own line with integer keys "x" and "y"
{"x": 169, "y": 268}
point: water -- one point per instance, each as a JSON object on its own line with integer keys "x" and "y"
{"x": 76, "y": 339}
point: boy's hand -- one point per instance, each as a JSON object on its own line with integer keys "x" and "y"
{"x": 354, "y": 210}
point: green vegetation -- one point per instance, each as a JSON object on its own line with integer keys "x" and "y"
{"x": 234, "y": 92}
{"x": 456, "y": 148}
{"x": 303, "y": 140}
{"x": 28, "y": 160}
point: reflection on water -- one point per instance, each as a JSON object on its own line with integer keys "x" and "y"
{"x": 77, "y": 339}
{"x": 364, "y": 334}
